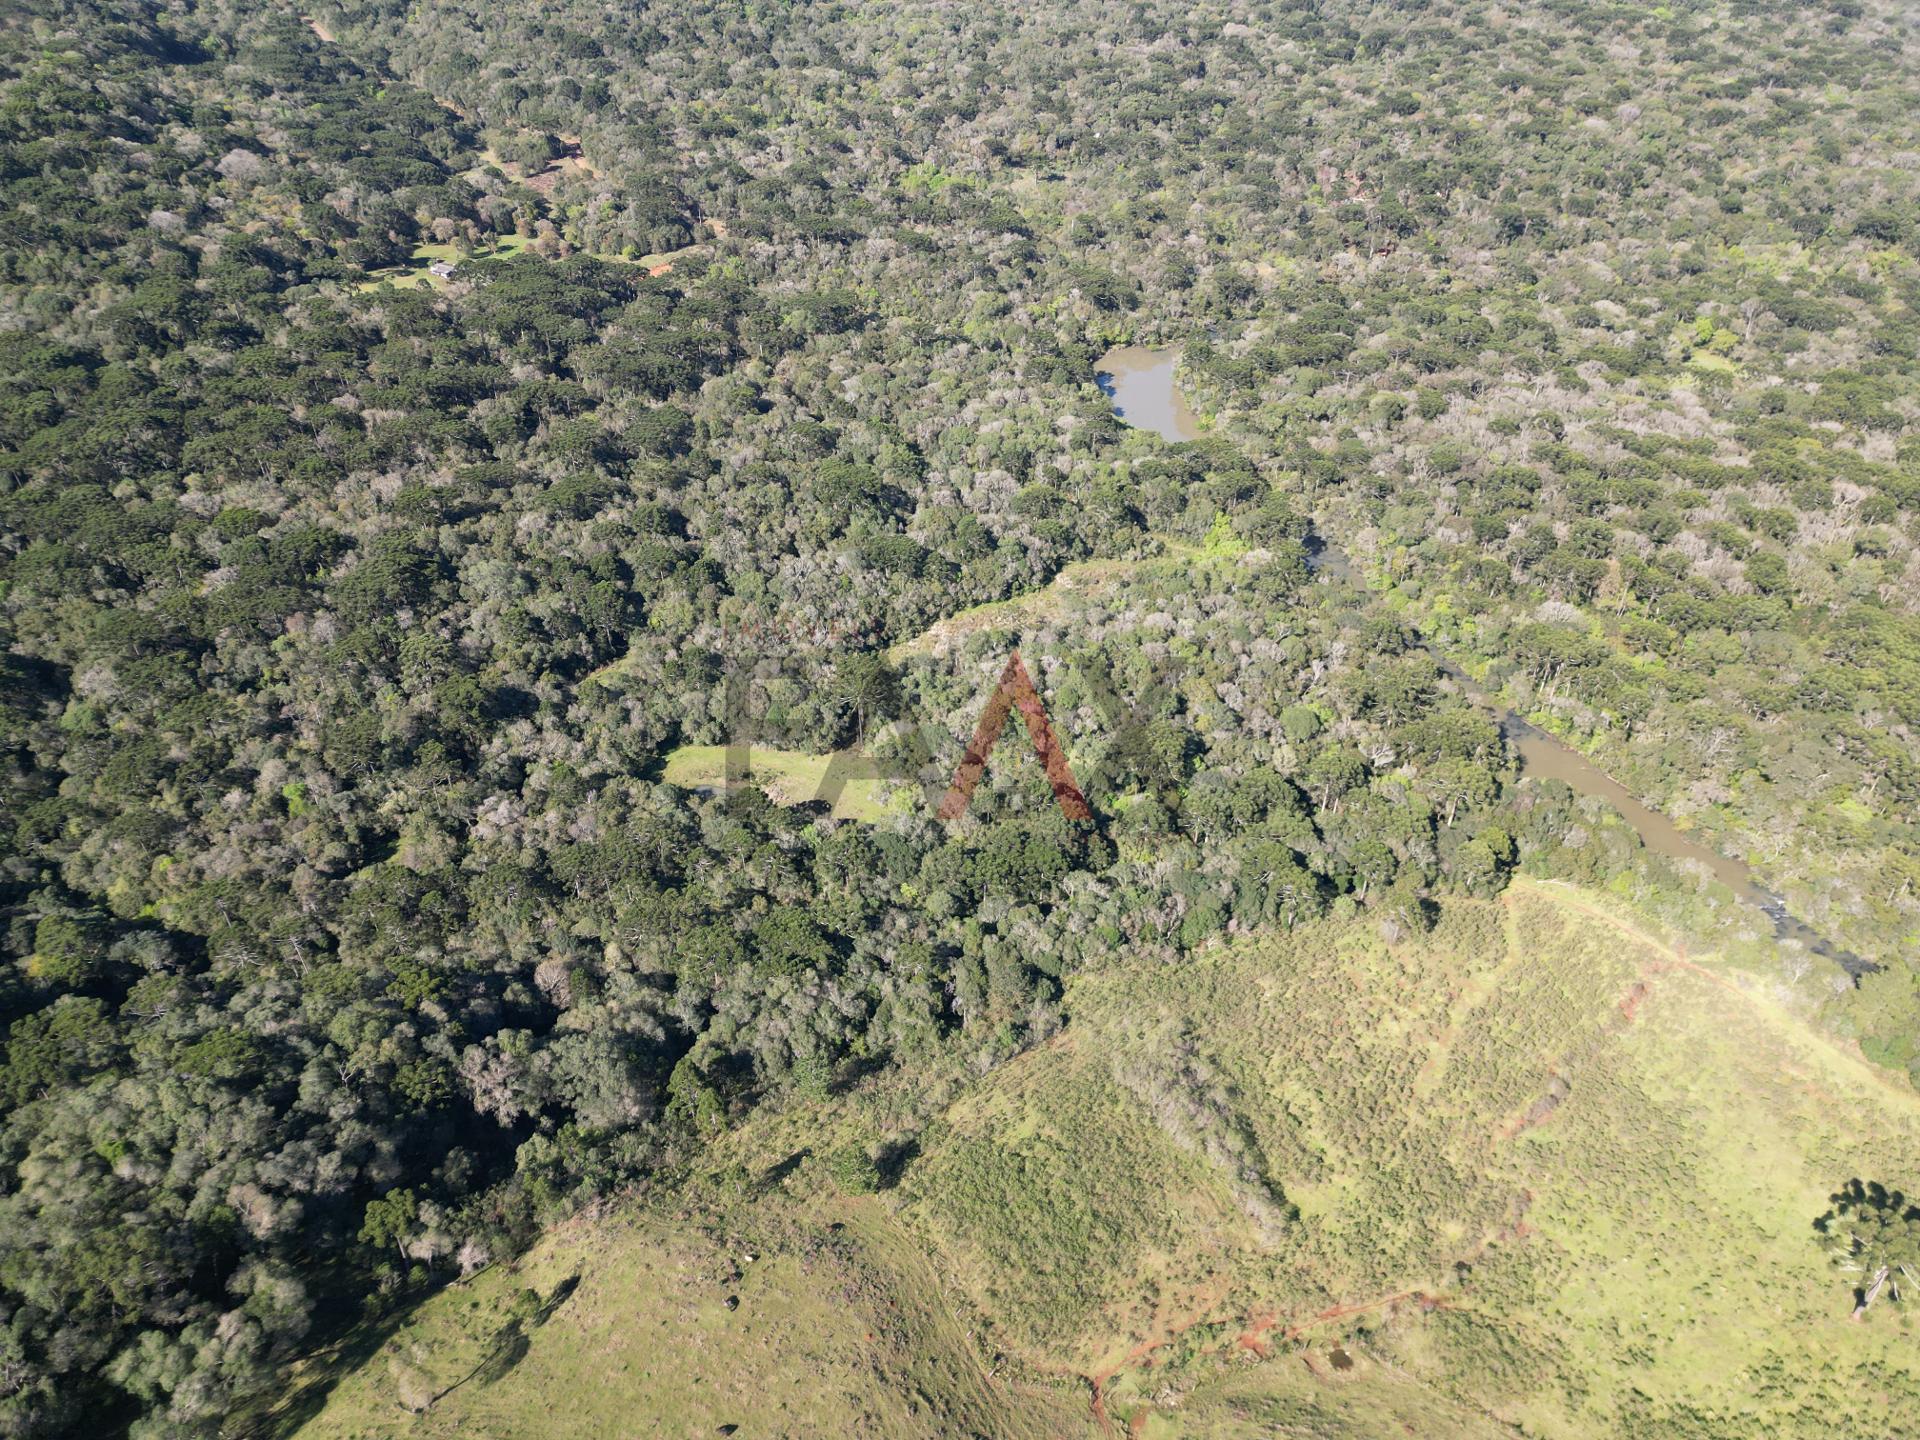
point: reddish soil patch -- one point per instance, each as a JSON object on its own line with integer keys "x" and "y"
{"x": 1517, "y": 1229}
{"x": 1142, "y": 1353}
{"x": 1628, "y": 1007}
{"x": 1341, "y": 1312}
{"x": 569, "y": 159}
{"x": 1254, "y": 1337}
{"x": 1098, "y": 1384}
{"x": 1630, "y": 1002}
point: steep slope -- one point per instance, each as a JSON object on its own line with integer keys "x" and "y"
{"x": 1537, "y": 1173}
{"x": 1541, "y": 1160}
{"x": 774, "y": 1319}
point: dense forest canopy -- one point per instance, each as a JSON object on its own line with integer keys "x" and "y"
{"x": 351, "y": 611}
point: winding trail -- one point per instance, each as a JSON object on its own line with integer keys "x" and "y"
{"x": 1257, "y": 1335}
{"x": 1674, "y": 957}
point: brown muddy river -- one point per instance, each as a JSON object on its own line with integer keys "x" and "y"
{"x": 1543, "y": 757}
{"x": 1139, "y": 382}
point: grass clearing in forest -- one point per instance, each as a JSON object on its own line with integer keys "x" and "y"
{"x": 790, "y": 777}
{"x": 417, "y": 271}
{"x": 1074, "y": 582}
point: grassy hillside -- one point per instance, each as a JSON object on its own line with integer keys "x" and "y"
{"x": 1075, "y": 584}
{"x": 623, "y": 1327}
{"x": 1535, "y": 1173}
{"x": 1553, "y": 1167}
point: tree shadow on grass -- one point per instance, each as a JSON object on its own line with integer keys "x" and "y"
{"x": 775, "y": 1174}
{"x": 307, "y": 1395}
{"x": 893, "y": 1162}
{"x": 285, "y": 1413}
{"x": 512, "y": 1341}
{"x": 510, "y": 1348}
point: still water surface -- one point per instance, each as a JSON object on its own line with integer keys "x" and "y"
{"x": 1139, "y": 381}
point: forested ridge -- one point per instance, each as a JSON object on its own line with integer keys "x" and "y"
{"x": 353, "y": 932}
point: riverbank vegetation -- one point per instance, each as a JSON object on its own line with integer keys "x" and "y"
{"x": 361, "y": 922}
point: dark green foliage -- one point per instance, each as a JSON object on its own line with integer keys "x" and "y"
{"x": 346, "y": 626}
{"x": 854, "y": 1171}
{"x": 1873, "y": 1233}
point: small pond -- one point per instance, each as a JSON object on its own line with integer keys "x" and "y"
{"x": 1140, "y": 383}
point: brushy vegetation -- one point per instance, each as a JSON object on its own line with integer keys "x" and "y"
{"x": 353, "y": 634}
{"x": 1006, "y": 1184}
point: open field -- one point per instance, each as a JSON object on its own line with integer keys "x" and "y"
{"x": 1561, "y": 1173}
{"x": 1079, "y": 581}
{"x": 1534, "y": 1173}
{"x": 624, "y": 1328}
{"x": 415, "y": 273}
{"x": 787, "y": 776}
